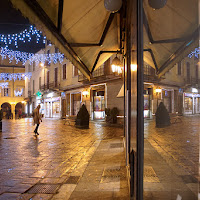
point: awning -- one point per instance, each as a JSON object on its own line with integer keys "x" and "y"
{"x": 88, "y": 34}
{"x": 170, "y": 33}
{"x": 121, "y": 92}
{"x": 83, "y": 31}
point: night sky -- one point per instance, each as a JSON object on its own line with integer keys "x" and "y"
{"x": 12, "y": 22}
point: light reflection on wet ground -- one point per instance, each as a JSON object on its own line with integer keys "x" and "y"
{"x": 173, "y": 152}
{"x": 26, "y": 159}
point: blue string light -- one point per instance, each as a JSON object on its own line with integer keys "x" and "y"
{"x": 15, "y": 76}
{"x": 24, "y": 36}
{"x": 24, "y": 56}
{"x": 4, "y": 85}
{"x": 196, "y": 53}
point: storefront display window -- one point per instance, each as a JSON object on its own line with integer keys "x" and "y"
{"x": 198, "y": 105}
{"x": 146, "y": 106}
{"x": 52, "y": 107}
{"x": 188, "y": 104}
{"x": 99, "y": 107}
{"x": 56, "y": 109}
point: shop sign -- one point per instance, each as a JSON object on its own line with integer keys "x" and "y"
{"x": 52, "y": 99}
{"x": 38, "y": 93}
{"x": 194, "y": 90}
{"x": 191, "y": 95}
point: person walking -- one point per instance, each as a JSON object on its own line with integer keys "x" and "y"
{"x": 20, "y": 113}
{"x": 37, "y": 119}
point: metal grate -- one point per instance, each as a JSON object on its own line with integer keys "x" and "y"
{"x": 116, "y": 145}
{"x": 113, "y": 174}
{"x": 72, "y": 180}
{"x": 43, "y": 189}
{"x": 9, "y": 138}
{"x": 150, "y": 175}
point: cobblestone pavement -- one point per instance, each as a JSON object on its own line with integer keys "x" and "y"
{"x": 63, "y": 162}
{"x": 171, "y": 163}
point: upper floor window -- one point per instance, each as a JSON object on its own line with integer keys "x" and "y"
{"x": 47, "y": 63}
{"x": 56, "y": 77}
{"x": 33, "y": 66}
{"x": 48, "y": 42}
{"x": 40, "y": 82}
{"x": 48, "y": 79}
{"x": 75, "y": 71}
{"x": 56, "y": 50}
{"x": 188, "y": 71}
{"x": 6, "y": 92}
{"x": 29, "y": 68}
{"x": 64, "y": 72}
{"x": 197, "y": 73}
{"x": 179, "y": 68}
{"x": 33, "y": 86}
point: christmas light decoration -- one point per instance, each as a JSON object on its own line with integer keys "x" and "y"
{"x": 24, "y": 36}
{"x": 15, "y": 76}
{"x": 4, "y": 85}
{"x": 37, "y": 58}
{"x": 196, "y": 53}
{"x": 18, "y": 93}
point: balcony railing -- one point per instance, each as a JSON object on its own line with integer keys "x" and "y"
{"x": 148, "y": 78}
{"x": 50, "y": 86}
{"x": 195, "y": 82}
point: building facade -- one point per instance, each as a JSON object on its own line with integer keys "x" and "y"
{"x": 12, "y": 88}
{"x": 61, "y": 88}
{"x": 178, "y": 89}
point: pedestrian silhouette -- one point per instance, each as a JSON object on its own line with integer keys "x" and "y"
{"x": 37, "y": 119}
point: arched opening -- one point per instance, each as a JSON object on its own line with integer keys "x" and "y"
{"x": 19, "y": 110}
{"x": 6, "y": 110}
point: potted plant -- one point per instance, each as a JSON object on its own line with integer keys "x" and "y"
{"x": 1, "y": 116}
{"x": 82, "y": 118}
{"x": 114, "y": 112}
{"x": 162, "y": 116}
{"x": 108, "y": 115}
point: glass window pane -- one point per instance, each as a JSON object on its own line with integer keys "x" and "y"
{"x": 171, "y": 125}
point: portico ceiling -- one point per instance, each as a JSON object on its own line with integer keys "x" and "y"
{"x": 88, "y": 34}
{"x": 171, "y": 32}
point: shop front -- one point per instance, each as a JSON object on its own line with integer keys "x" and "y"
{"x": 98, "y": 101}
{"x": 148, "y": 92}
{"x": 191, "y": 103}
{"x": 52, "y": 106}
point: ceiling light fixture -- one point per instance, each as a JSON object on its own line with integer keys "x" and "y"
{"x": 157, "y": 4}
{"x": 113, "y": 5}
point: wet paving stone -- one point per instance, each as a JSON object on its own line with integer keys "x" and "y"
{"x": 72, "y": 180}
{"x": 42, "y": 164}
{"x": 116, "y": 145}
{"x": 173, "y": 153}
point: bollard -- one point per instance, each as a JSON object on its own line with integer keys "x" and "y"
{"x": 1, "y": 115}
{"x": 1, "y": 126}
